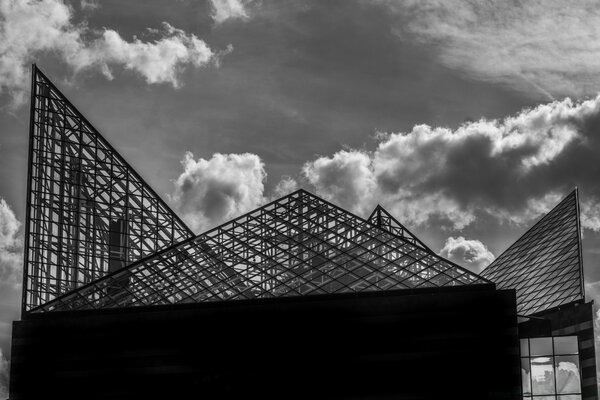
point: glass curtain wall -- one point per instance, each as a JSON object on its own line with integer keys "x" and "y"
{"x": 550, "y": 368}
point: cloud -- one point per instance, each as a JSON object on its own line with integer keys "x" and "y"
{"x": 90, "y": 5}
{"x": 4, "y": 376}
{"x": 346, "y": 177}
{"x": 11, "y": 247}
{"x": 159, "y": 61}
{"x": 590, "y": 214}
{"x": 30, "y": 28}
{"x": 223, "y": 10}
{"x": 284, "y": 187}
{"x": 541, "y": 48}
{"x": 512, "y": 169}
{"x": 212, "y": 191}
{"x": 469, "y": 253}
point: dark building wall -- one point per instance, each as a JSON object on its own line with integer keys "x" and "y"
{"x": 450, "y": 343}
{"x": 576, "y": 318}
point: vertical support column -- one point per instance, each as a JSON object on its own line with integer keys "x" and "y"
{"x": 32, "y": 114}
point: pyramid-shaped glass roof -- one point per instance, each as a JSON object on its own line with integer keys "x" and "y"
{"x": 544, "y": 265}
{"x": 383, "y": 219}
{"x": 88, "y": 212}
{"x": 296, "y": 246}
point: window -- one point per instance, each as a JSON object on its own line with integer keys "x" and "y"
{"x": 550, "y": 368}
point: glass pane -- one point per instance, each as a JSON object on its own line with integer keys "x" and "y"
{"x": 524, "y": 347}
{"x": 542, "y": 375}
{"x": 568, "y": 378}
{"x": 570, "y": 397}
{"x": 540, "y": 346}
{"x": 542, "y": 398}
{"x": 565, "y": 345}
{"x": 526, "y": 376}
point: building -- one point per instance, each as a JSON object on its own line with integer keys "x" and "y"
{"x": 296, "y": 299}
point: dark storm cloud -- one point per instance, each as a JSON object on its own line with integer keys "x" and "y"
{"x": 512, "y": 169}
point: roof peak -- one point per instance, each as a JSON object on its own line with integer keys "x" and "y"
{"x": 297, "y": 245}
{"x": 546, "y": 256}
{"x": 88, "y": 210}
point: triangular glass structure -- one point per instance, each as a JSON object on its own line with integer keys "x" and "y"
{"x": 544, "y": 265}
{"x": 383, "y": 219}
{"x": 88, "y": 212}
{"x": 296, "y": 246}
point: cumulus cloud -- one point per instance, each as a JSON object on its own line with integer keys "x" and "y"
{"x": 542, "y": 48}
{"x": 590, "y": 214}
{"x": 512, "y": 169}
{"x": 159, "y": 61}
{"x": 469, "y": 253}
{"x": 11, "y": 246}
{"x": 223, "y": 10}
{"x": 346, "y": 177}
{"x": 284, "y": 187}
{"x": 4, "y": 370}
{"x": 212, "y": 191}
{"x": 29, "y": 28}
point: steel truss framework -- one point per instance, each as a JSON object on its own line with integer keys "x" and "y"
{"x": 99, "y": 237}
{"x": 545, "y": 264}
{"x": 295, "y": 246}
{"x": 88, "y": 212}
{"x": 385, "y": 220}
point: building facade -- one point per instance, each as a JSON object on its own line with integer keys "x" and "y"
{"x": 296, "y": 299}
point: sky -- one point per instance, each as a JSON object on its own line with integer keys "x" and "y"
{"x": 466, "y": 120}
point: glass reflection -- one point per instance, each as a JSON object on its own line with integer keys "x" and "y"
{"x": 542, "y": 375}
{"x": 550, "y": 368}
{"x": 526, "y": 376}
{"x": 568, "y": 379}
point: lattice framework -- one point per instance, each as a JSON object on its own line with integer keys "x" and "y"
{"x": 88, "y": 212}
{"x": 296, "y": 246}
{"x": 383, "y": 219}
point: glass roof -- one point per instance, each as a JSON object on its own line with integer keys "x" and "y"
{"x": 544, "y": 265}
{"x": 383, "y": 219}
{"x": 100, "y": 237}
{"x": 296, "y": 246}
{"x": 89, "y": 213}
